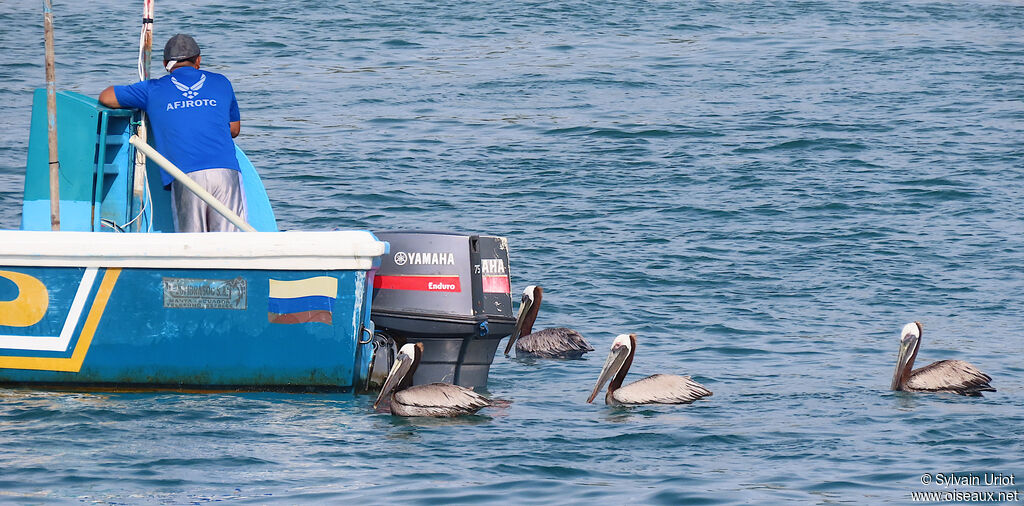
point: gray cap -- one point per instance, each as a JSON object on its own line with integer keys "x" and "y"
{"x": 180, "y": 47}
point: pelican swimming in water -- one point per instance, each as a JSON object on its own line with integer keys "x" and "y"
{"x": 547, "y": 343}
{"x": 656, "y": 389}
{"x": 952, "y": 376}
{"x": 435, "y": 399}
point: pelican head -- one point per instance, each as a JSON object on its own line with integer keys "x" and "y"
{"x": 910, "y": 341}
{"x": 622, "y": 348}
{"x": 401, "y": 372}
{"x": 531, "y": 298}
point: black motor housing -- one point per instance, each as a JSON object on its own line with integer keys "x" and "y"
{"x": 452, "y": 293}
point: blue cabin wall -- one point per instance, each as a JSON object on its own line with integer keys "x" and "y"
{"x": 88, "y": 149}
{"x": 257, "y": 203}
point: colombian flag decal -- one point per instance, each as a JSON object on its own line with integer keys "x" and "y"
{"x": 302, "y": 300}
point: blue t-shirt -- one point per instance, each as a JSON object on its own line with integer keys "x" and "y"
{"x": 190, "y": 111}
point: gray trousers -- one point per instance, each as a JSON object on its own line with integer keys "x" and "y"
{"x": 191, "y": 214}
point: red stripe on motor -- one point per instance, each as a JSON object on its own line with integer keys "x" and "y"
{"x": 496, "y": 284}
{"x": 421, "y": 283}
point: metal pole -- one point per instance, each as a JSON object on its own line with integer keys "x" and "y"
{"x": 147, "y": 37}
{"x": 176, "y": 173}
{"x": 51, "y": 117}
{"x": 146, "y": 51}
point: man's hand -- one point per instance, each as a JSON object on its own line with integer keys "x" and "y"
{"x": 236, "y": 126}
{"x": 109, "y": 99}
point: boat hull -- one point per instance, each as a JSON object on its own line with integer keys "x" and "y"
{"x": 186, "y": 328}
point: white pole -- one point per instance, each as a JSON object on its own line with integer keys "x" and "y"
{"x": 177, "y": 174}
{"x": 145, "y": 52}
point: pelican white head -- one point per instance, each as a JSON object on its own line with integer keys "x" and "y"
{"x": 910, "y": 339}
{"x": 403, "y": 369}
{"x": 621, "y": 349}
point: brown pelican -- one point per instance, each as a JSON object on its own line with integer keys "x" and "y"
{"x": 656, "y": 389}
{"x": 953, "y": 376}
{"x": 435, "y": 399}
{"x": 547, "y": 343}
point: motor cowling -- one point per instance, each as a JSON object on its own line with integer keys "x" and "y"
{"x": 452, "y": 293}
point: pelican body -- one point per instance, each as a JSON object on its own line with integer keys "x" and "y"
{"x": 656, "y": 389}
{"x": 952, "y": 376}
{"x": 558, "y": 342}
{"x": 435, "y": 399}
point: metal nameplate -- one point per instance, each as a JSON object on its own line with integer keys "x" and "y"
{"x": 205, "y": 293}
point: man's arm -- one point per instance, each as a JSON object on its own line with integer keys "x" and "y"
{"x": 109, "y": 99}
{"x": 236, "y": 126}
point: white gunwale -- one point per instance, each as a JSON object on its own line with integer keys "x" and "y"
{"x": 328, "y": 250}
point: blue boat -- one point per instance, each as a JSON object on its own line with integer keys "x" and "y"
{"x": 115, "y": 301}
{"x": 98, "y": 292}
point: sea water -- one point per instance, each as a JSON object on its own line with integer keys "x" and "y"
{"x": 765, "y": 192}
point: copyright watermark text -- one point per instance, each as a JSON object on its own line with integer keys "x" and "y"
{"x": 954, "y": 488}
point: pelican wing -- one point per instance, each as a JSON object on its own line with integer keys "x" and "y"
{"x": 437, "y": 399}
{"x": 553, "y": 343}
{"x": 661, "y": 389}
{"x": 954, "y": 376}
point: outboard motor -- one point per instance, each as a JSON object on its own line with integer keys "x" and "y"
{"x": 452, "y": 293}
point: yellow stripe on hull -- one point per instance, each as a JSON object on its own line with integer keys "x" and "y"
{"x": 92, "y": 321}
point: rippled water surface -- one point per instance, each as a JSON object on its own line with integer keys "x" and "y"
{"x": 763, "y": 191}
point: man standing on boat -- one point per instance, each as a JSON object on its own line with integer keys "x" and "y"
{"x": 194, "y": 115}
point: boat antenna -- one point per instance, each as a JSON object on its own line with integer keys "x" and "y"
{"x": 51, "y": 117}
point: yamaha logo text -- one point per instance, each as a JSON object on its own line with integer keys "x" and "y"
{"x": 424, "y": 258}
